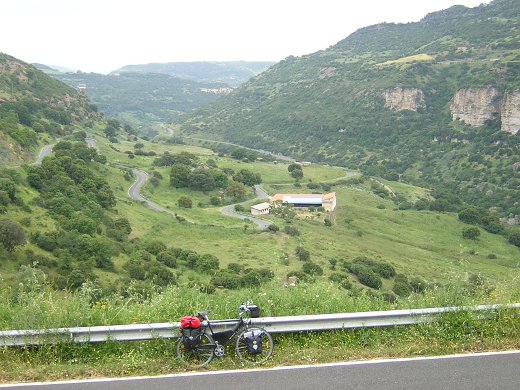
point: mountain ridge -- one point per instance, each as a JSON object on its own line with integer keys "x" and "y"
{"x": 330, "y": 106}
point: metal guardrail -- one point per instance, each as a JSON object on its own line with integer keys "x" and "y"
{"x": 306, "y": 323}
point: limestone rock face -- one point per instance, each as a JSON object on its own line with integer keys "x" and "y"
{"x": 475, "y": 106}
{"x": 399, "y": 99}
{"x": 510, "y": 112}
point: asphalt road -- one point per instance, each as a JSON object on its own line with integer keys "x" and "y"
{"x": 464, "y": 372}
{"x": 44, "y": 152}
{"x": 134, "y": 192}
{"x": 230, "y": 210}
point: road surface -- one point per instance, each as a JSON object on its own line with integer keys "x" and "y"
{"x": 463, "y": 372}
{"x": 134, "y": 192}
{"x": 230, "y": 210}
{"x": 44, "y": 152}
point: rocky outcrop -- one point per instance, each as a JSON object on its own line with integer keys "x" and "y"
{"x": 510, "y": 112}
{"x": 475, "y": 106}
{"x": 399, "y": 99}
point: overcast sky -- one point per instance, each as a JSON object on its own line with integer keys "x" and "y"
{"x": 103, "y": 35}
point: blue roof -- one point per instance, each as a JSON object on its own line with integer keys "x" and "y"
{"x": 302, "y": 200}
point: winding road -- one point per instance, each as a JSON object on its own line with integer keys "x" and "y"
{"x": 44, "y": 152}
{"x": 230, "y": 210}
{"x": 134, "y": 192}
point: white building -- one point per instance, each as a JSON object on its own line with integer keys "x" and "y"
{"x": 261, "y": 208}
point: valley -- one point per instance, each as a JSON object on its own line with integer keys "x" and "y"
{"x": 127, "y": 197}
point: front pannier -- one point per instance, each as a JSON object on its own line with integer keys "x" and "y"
{"x": 253, "y": 341}
{"x": 254, "y": 311}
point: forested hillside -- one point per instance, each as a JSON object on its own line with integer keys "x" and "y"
{"x": 34, "y": 105}
{"x": 143, "y": 98}
{"x": 433, "y": 103}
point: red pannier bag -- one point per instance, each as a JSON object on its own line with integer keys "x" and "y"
{"x": 190, "y": 322}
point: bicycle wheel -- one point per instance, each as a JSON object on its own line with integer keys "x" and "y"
{"x": 247, "y": 349}
{"x": 197, "y": 356}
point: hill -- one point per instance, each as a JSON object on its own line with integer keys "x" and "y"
{"x": 434, "y": 103}
{"x": 144, "y": 98}
{"x": 232, "y": 73}
{"x": 34, "y": 106}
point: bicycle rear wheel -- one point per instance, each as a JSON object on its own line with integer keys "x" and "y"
{"x": 254, "y": 345}
{"x": 197, "y": 356}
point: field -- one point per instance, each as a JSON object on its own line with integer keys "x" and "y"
{"x": 417, "y": 243}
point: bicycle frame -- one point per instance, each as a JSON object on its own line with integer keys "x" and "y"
{"x": 240, "y": 323}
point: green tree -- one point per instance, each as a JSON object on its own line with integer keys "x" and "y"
{"x": 469, "y": 215}
{"x": 179, "y": 175}
{"x": 201, "y": 179}
{"x": 11, "y": 235}
{"x": 236, "y": 190}
{"x": 514, "y": 238}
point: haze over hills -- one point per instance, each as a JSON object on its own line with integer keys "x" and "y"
{"x": 434, "y": 103}
{"x": 143, "y": 98}
{"x": 232, "y": 73}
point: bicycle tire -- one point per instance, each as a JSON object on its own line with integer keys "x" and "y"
{"x": 242, "y": 350}
{"x": 198, "y": 356}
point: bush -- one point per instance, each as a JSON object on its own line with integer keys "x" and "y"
{"x": 312, "y": 269}
{"x": 291, "y": 230}
{"x": 273, "y": 228}
{"x": 185, "y": 202}
{"x": 470, "y": 215}
{"x": 302, "y": 253}
{"x": 402, "y": 288}
{"x": 366, "y": 276}
{"x": 418, "y": 285}
{"x": 514, "y": 238}
{"x": 471, "y": 232}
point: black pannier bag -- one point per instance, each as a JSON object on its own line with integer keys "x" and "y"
{"x": 254, "y": 311}
{"x": 254, "y": 342}
{"x": 191, "y": 337}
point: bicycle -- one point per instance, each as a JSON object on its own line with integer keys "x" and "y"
{"x": 253, "y": 345}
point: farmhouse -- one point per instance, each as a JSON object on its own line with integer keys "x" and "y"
{"x": 261, "y": 208}
{"x": 327, "y": 201}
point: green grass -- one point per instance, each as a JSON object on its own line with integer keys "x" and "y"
{"x": 422, "y": 243}
{"x": 39, "y": 307}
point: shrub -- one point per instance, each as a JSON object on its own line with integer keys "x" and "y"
{"x": 470, "y": 215}
{"x": 312, "y": 269}
{"x": 366, "y": 276}
{"x": 402, "y": 288}
{"x": 273, "y": 228}
{"x": 291, "y": 230}
{"x": 514, "y": 238}
{"x": 471, "y": 232}
{"x": 418, "y": 285}
{"x": 302, "y": 253}
{"x": 185, "y": 202}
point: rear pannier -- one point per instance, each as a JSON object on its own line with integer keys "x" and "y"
{"x": 191, "y": 331}
{"x": 190, "y": 322}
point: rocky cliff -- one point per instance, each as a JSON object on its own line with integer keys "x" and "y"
{"x": 510, "y": 112}
{"x": 399, "y": 99}
{"x": 475, "y": 106}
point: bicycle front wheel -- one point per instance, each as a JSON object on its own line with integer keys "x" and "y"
{"x": 254, "y": 345}
{"x": 196, "y": 356}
